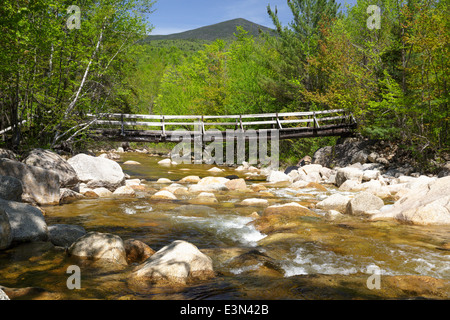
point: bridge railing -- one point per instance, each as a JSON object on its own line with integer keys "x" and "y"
{"x": 282, "y": 121}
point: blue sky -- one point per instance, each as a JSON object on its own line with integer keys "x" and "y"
{"x": 173, "y": 16}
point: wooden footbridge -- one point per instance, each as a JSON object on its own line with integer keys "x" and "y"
{"x": 174, "y": 128}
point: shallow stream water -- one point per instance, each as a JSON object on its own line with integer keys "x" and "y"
{"x": 318, "y": 258}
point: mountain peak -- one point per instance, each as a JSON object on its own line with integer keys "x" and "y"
{"x": 221, "y": 30}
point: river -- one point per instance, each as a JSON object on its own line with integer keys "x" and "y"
{"x": 316, "y": 258}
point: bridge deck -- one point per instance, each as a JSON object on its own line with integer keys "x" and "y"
{"x": 156, "y": 128}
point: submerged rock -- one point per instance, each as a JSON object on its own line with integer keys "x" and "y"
{"x": 255, "y": 263}
{"x": 280, "y": 218}
{"x": 255, "y": 202}
{"x": 196, "y": 210}
{"x": 137, "y": 251}
{"x": 65, "y": 235}
{"x": 292, "y": 208}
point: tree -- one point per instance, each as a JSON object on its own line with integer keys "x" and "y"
{"x": 51, "y": 75}
{"x": 296, "y": 45}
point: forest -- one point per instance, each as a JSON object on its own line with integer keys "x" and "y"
{"x": 394, "y": 77}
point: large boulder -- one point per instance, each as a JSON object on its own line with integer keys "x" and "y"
{"x": 363, "y": 204}
{"x": 39, "y": 185}
{"x": 348, "y": 173}
{"x": 95, "y": 245}
{"x": 427, "y": 204}
{"x": 236, "y": 184}
{"x": 349, "y": 152}
{"x": 5, "y": 230}
{"x": 178, "y": 262}
{"x": 51, "y": 161}
{"x": 64, "y": 235}
{"x": 336, "y": 202}
{"x": 8, "y": 154}
{"x": 370, "y": 175}
{"x": 278, "y": 176}
{"x": 323, "y": 156}
{"x": 376, "y": 188}
{"x": 98, "y": 172}
{"x": 27, "y": 222}
{"x": 10, "y": 188}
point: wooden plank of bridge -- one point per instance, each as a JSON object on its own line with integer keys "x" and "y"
{"x": 346, "y": 124}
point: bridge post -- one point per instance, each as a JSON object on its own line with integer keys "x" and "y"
{"x": 203, "y": 125}
{"x": 279, "y": 123}
{"x": 122, "y": 127}
{"x": 163, "y": 127}
{"x": 316, "y": 123}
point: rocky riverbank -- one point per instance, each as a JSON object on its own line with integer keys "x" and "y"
{"x": 367, "y": 190}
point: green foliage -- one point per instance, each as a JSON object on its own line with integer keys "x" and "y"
{"x": 220, "y": 79}
{"x": 50, "y": 75}
{"x": 394, "y": 80}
